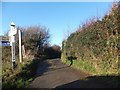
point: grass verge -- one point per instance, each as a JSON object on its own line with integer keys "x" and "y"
{"x": 24, "y": 77}
{"x": 111, "y": 80}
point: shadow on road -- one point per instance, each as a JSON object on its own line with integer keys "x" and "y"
{"x": 89, "y": 82}
{"x": 47, "y": 66}
{"x": 52, "y": 73}
{"x": 43, "y": 67}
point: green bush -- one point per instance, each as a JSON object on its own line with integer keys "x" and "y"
{"x": 95, "y": 45}
{"x": 23, "y": 77}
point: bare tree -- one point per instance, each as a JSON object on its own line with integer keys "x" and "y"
{"x": 35, "y": 37}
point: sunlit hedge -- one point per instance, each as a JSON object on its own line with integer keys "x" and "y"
{"x": 95, "y": 44}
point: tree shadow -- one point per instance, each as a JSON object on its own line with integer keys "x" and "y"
{"x": 94, "y": 82}
{"x": 45, "y": 67}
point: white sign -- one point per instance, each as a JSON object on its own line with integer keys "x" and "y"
{"x": 12, "y": 39}
{"x": 12, "y": 32}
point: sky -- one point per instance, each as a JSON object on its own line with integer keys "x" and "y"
{"x": 62, "y": 18}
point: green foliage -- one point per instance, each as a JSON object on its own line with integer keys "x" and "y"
{"x": 22, "y": 78}
{"x": 52, "y": 52}
{"x": 34, "y": 39}
{"x": 95, "y": 45}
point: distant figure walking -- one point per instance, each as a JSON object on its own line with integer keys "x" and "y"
{"x": 71, "y": 58}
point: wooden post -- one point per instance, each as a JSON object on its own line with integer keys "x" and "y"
{"x": 20, "y": 47}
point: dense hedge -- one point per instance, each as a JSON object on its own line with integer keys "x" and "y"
{"x": 95, "y": 44}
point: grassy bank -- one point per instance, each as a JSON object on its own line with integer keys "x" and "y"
{"x": 22, "y": 75}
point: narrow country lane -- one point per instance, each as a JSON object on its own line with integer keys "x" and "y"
{"x": 53, "y": 74}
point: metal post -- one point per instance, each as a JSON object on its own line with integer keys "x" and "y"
{"x": 20, "y": 47}
{"x": 12, "y": 34}
{"x": 13, "y": 55}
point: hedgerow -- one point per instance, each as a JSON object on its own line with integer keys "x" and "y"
{"x": 96, "y": 44}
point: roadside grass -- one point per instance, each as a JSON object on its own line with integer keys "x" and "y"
{"x": 81, "y": 65}
{"x": 111, "y": 80}
{"x": 22, "y": 76}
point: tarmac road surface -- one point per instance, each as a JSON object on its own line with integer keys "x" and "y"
{"x": 52, "y": 73}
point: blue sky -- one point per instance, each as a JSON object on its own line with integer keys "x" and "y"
{"x": 61, "y": 18}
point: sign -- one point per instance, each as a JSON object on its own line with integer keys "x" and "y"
{"x": 12, "y": 39}
{"x": 4, "y": 43}
{"x": 13, "y": 30}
